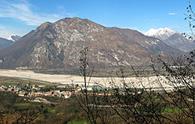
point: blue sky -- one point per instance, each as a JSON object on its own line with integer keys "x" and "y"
{"x": 21, "y": 16}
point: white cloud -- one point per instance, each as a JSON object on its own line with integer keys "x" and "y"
{"x": 23, "y": 12}
{"x": 172, "y": 13}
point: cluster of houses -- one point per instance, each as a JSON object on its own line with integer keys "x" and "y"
{"x": 37, "y": 91}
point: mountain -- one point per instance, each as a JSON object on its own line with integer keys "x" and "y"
{"x": 177, "y": 40}
{"x": 5, "y": 43}
{"x": 161, "y": 33}
{"x": 172, "y": 38}
{"x": 15, "y": 37}
{"x": 57, "y": 46}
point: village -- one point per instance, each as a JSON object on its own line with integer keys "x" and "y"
{"x": 37, "y": 92}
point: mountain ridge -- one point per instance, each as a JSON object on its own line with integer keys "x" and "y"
{"x": 5, "y": 43}
{"x": 57, "y": 45}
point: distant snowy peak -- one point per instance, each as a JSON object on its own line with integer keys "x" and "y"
{"x": 161, "y": 33}
{"x": 12, "y": 37}
{"x": 15, "y": 37}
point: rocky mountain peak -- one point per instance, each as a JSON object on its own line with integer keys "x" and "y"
{"x": 78, "y": 24}
{"x": 44, "y": 26}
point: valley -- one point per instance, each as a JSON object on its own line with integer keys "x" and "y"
{"x": 96, "y": 62}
